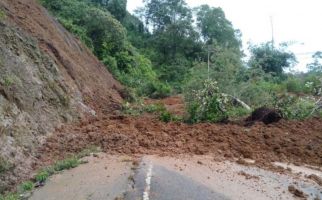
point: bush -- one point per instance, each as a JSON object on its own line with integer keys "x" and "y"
{"x": 66, "y": 164}
{"x": 294, "y": 86}
{"x": 27, "y": 186}
{"x": 154, "y": 108}
{"x": 166, "y": 116}
{"x": 10, "y": 196}
{"x": 296, "y": 108}
{"x": 160, "y": 90}
{"x": 207, "y": 104}
{"x": 42, "y": 176}
{"x": 237, "y": 112}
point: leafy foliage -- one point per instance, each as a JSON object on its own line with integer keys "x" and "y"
{"x": 270, "y": 59}
{"x": 27, "y": 186}
{"x": 2, "y": 15}
{"x": 316, "y": 65}
{"x": 207, "y": 104}
{"x": 292, "y": 107}
{"x": 215, "y": 28}
{"x": 92, "y": 22}
{"x": 166, "y": 48}
{"x": 10, "y": 196}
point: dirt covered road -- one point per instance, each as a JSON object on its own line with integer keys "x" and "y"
{"x": 226, "y": 161}
{"x": 285, "y": 141}
{"x": 174, "y": 178}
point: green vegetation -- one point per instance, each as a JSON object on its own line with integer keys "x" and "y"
{"x": 61, "y": 165}
{"x": 9, "y": 80}
{"x": 11, "y": 196}
{"x": 2, "y": 15}
{"x": 43, "y": 174}
{"x": 65, "y": 164}
{"x": 207, "y": 104}
{"x": 94, "y": 24}
{"x": 165, "y": 47}
{"x": 166, "y": 117}
{"x": 27, "y": 186}
{"x": 4, "y": 165}
{"x": 271, "y": 59}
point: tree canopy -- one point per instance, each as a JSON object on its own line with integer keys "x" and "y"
{"x": 271, "y": 59}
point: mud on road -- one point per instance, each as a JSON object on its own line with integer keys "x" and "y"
{"x": 285, "y": 141}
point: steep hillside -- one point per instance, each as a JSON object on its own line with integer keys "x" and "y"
{"x": 47, "y": 77}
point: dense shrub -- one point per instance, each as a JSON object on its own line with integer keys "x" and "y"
{"x": 107, "y": 38}
{"x": 294, "y": 86}
{"x": 293, "y": 107}
{"x": 207, "y": 104}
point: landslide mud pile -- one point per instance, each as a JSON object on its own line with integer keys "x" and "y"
{"x": 296, "y": 142}
{"x": 47, "y": 77}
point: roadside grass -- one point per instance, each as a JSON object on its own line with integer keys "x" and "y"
{"x": 5, "y": 165}
{"x": 42, "y": 176}
{"x": 11, "y": 196}
{"x": 2, "y": 15}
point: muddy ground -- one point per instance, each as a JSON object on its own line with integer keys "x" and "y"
{"x": 285, "y": 141}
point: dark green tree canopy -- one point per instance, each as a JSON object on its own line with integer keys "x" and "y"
{"x": 316, "y": 65}
{"x": 116, "y": 7}
{"x": 214, "y": 27}
{"x": 270, "y": 59}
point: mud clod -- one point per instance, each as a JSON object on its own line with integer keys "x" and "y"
{"x": 296, "y": 192}
{"x": 265, "y": 115}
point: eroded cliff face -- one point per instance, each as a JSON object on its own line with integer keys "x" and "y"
{"x": 47, "y": 78}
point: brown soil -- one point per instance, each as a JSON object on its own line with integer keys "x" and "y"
{"x": 174, "y": 104}
{"x": 315, "y": 178}
{"x": 265, "y": 115}
{"x": 285, "y": 141}
{"x": 80, "y": 68}
{"x": 296, "y": 192}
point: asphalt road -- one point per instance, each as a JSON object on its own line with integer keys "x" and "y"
{"x": 173, "y": 178}
{"x": 164, "y": 184}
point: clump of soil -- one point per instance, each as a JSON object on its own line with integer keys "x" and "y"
{"x": 248, "y": 176}
{"x": 296, "y": 192}
{"x": 265, "y": 115}
{"x": 316, "y": 178}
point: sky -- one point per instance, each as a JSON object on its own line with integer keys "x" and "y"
{"x": 295, "y": 21}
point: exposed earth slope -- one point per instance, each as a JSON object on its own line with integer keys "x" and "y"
{"x": 56, "y": 98}
{"x": 47, "y": 77}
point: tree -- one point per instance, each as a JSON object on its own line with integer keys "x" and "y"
{"x": 117, "y": 8}
{"x": 173, "y": 41}
{"x": 214, "y": 27}
{"x": 316, "y": 65}
{"x": 270, "y": 59}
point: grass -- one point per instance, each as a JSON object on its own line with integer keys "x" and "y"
{"x": 43, "y": 174}
{"x": 8, "y": 81}
{"x": 154, "y": 108}
{"x": 5, "y": 165}
{"x": 166, "y": 116}
{"x": 27, "y": 186}
{"x": 11, "y": 196}
{"x": 2, "y": 15}
{"x": 65, "y": 164}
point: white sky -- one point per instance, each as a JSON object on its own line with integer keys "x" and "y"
{"x": 294, "y": 20}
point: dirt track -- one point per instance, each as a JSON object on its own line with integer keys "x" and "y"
{"x": 285, "y": 141}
